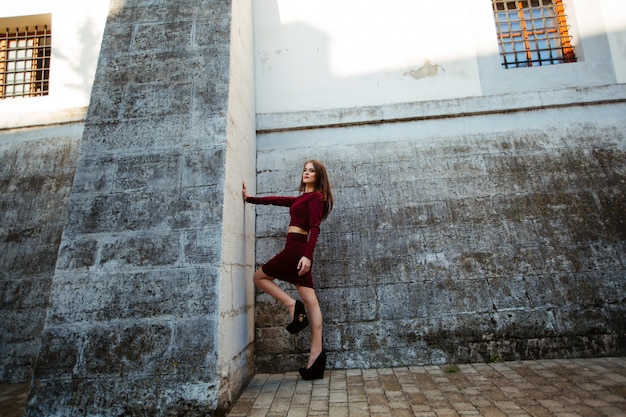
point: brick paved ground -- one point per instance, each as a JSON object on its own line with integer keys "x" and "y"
{"x": 560, "y": 388}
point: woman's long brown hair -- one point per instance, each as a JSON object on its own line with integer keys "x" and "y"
{"x": 322, "y": 184}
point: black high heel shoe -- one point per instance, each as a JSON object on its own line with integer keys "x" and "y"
{"x": 316, "y": 371}
{"x": 300, "y": 320}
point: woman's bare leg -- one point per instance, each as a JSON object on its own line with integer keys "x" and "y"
{"x": 314, "y": 314}
{"x": 266, "y": 283}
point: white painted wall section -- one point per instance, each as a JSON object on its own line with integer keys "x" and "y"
{"x": 77, "y": 26}
{"x": 322, "y": 55}
{"x": 326, "y": 54}
{"x": 614, "y": 13}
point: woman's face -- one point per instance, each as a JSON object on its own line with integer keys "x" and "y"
{"x": 308, "y": 174}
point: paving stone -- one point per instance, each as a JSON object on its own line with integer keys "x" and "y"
{"x": 338, "y": 411}
{"x": 373, "y": 393}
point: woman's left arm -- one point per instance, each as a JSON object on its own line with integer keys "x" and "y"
{"x": 316, "y": 208}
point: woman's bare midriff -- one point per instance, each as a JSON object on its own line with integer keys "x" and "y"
{"x": 296, "y": 229}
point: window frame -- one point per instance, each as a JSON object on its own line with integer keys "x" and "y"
{"x": 533, "y": 33}
{"x": 25, "y": 55}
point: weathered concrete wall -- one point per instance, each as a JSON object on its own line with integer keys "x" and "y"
{"x": 496, "y": 236}
{"x": 36, "y": 171}
{"x": 39, "y": 143}
{"x": 133, "y": 325}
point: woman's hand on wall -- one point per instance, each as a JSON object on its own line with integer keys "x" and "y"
{"x": 244, "y": 192}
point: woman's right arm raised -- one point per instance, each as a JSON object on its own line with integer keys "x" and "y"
{"x": 273, "y": 200}
{"x": 244, "y": 192}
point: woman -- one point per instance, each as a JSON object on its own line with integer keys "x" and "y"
{"x": 293, "y": 264}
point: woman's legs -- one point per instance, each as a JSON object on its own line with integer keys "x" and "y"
{"x": 266, "y": 283}
{"x": 314, "y": 314}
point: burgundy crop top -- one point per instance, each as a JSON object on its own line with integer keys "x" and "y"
{"x": 305, "y": 211}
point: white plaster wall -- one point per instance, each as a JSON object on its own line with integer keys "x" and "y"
{"x": 319, "y": 55}
{"x": 614, "y": 14}
{"x": 236, "y": 330}
{"x": 77, "y": 26}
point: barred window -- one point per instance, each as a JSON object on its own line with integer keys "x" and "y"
{"x": 25, "y": 61}
{"x": 532, "y": 33}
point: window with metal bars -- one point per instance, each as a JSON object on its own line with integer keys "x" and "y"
{"x": 25, "y": 62}
{"x": 532, "y": 33}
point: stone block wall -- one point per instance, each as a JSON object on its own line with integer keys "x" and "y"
{"x": 134, "y": 324}
{"x": 455, "y": 237}
{"x": 36, "y": 171}
{"x": 499, "y": 236}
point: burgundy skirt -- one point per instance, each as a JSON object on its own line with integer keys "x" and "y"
{"x": 284, "y": 266}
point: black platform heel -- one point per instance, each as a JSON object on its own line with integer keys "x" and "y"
{"x": 300, "y": 320}
{"x": 316, "y": 371}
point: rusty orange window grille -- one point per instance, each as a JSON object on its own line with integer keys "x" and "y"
{"x": 532, "y": 33}
{"x": 25, "y": 62}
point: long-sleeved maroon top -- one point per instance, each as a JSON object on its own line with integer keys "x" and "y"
{"x": 305, "y": 211}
